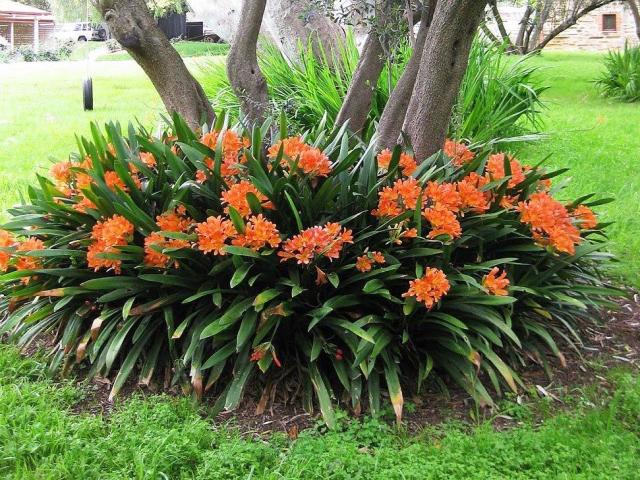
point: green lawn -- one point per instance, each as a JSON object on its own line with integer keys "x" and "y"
{"x": 160, "y": 437}
{"x": 185, "y": 49}
{"x": 599, "y": 139}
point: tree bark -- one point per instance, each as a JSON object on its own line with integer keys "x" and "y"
{"x": 299, "y": 22}
{"x": 133, "y": 26}
{"x": 570, "y": 21}
{"x": 543, "y": 8}
{"x": 356, "y": 105}
{"x": 444, "y": 61}
{"x": 394, "y": 112}
{"x": 245, "y": 76}
{"x": 635, "y": 11}
{"x": 524, "y": 26}
{"x": 500, "y": 24}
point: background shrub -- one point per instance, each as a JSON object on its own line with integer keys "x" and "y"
{"x": 318, "y": 265}
{"x": 621, "y": 79}
{"x": 500, "y": 97}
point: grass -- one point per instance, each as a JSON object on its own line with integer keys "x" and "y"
{"x": 162, "y": 437}
{"x": 184, "y": 48}
{"x": 599, "y": 139}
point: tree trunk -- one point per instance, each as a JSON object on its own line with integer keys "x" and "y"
{"x": 394, "y": 112}
{"x": 570, "y": 21}
{"x": 635, "y": 10}
{"x": 543, "y": 8}
{"x": 500, "y": 24}
{"x": 299, "y": 22}
{"x": 524, "y": 25}
{"x": 444, "y": 61}
{"x": 133, "y": 26}
{"x": 245, "y": 76}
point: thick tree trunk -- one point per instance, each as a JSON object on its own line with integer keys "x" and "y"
{"x": 444, "y": 61}
{"x": 133, "y": 26}
{"x": 298, "y": 22}
{"x": 394, "y": 112}
{"x": 493, "y": 4}
{"x": 524, "y": 26}
{"x": 357, "y": 103}
{"x": 570, "y": 21}
{"x": 635, "y": 11}
{"x": 245, "y": 76}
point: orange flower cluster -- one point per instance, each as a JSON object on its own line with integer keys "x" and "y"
{"x": 459, "y": 153}
{"x": 61, "y": 172}
{"x": 148, "y": 159}
{"x": 232, "y": 146}
{"x": 443, "y": 221}
{"x": 29, "y": 245}
{"x": 214, "y": 233}
{"x": 236, "y": 197}
{"x": 175, "y": 221}
{"x": 495, "y": 168}
{"x": 550, "y": 222}
{"x": 471, "y": 197}
{"x": 292, "y": 147}
{"x": 496, "y": 284}
{"x": 6, "y": 241}
{"x": 407, "y": 163}
{"x": 315, "y": 242}
{"x": 444, "y": 195}
{"x": 311, "y": 160}
{"x": 365, "y": 262}
{"x": 395, "y": 200}
{"x": 107, "y": 236}
{"x": 258, "y": 233}
{"x": 585, "y": 217}
{"x": 430, "y": 288}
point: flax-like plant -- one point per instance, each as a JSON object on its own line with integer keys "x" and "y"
{"x": 304, "y": 266}
{"x": 621, "y": 78}
{"x": 499, "y": 101}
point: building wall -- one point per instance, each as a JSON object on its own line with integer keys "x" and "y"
{"x": 587, "y": 34}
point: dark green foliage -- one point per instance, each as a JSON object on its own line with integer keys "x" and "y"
{"x": 621, "y": 79}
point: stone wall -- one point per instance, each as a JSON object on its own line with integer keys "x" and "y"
{"x": 587, "y": 34}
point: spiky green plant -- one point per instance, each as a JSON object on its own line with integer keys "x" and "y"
{"x": 141, "y": 256}
{"x": 621, "y": 78}
{"x": 499, "y": 101}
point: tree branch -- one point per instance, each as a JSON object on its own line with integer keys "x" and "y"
{"x": 635, "y": 11}
{"x": 133, "y": 26}
{"x": 506, "y": 39}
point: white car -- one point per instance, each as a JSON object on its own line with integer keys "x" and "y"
{"x": 81, "y": 32}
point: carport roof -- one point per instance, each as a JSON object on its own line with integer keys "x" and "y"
{"x": 9, "y": 7}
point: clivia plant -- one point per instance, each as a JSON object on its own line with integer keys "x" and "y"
{"x": 314, "y": 266}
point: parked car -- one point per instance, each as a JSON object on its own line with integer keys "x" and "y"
{"x": 82, "y": 32}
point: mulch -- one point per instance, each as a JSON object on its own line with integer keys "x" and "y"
{"x": 614, "y": 341}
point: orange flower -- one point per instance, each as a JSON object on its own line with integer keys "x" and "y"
{"x": 155, "y": 242}
{"x": 210, "y": 139}
{"x": 201, "y": 176}
{"x": 313, "y": 242}
{"x": 444, "y": 194}
{"x": 407, "y": 162}
{"x": 213, "y": 234}
{"x": 236, "y": 197}
{"x": 365, "y": 262}
{"x": 107, "y": 236}
{"x": 471, "y": 197}
{"x": 232, "y": 146}
{"x": 258, "y": 233}
{"x": 585, "y": 217}
{"x": 61, "y": 172}
{"x": 173, "y": 222}
{"x": 458, "y": 152}
{"x": 31, "y": 244}
{"x": 148, "y": 159}
{"x": 112, "y": 180}
{"x": 550, "y": 222}
{"x": 402, "y": 196}
{"x": 495, "y": 167}
{"x": 6, "y": 241}
{"x": 292, "y": 147}
{"x": 430, "y": 288}
{"x": 496, "y": 284}
{"x": 314, "y": 162}
{"x": 443, "y": 222}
